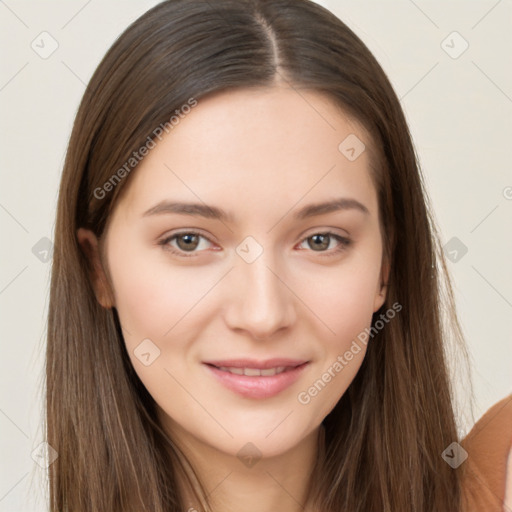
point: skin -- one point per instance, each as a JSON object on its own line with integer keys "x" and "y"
{"x": 260, "y": 154}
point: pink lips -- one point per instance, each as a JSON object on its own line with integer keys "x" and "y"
{"x": 257, "y": 386}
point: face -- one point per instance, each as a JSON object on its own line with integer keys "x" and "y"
{"x": 273, "y": 288}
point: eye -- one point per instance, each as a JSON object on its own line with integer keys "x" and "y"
{"x": 319, "y": 242}
{"x": 187, "y": 241}
{"x": 190, "y": 242}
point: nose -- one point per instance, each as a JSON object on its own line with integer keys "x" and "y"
{"x": 260, "y": 301}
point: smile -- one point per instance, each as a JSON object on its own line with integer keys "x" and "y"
{"x": 256, "y": 383}
{"x": 252, "y": 372}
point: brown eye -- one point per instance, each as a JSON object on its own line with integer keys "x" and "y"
{"x": 187, "y": 241}
{"x": 320, "y": 242}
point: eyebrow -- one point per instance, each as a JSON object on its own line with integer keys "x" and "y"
{"x": 214, "y": 212}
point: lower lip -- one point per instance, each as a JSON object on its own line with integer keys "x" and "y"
{"x": 257, "y": 386}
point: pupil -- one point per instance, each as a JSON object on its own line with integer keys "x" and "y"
{"x": 321, "y": 245}
{"x": 189, "y": 243}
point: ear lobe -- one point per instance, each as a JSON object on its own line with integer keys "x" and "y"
{"x": 89, "y": 244}
{"x": 380, "y": 296}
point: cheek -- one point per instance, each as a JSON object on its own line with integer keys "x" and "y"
{"x": 345, "y": 308}
{"x": 151, "y": 295}
{"x": 155, "y": 302}
{"x": 343, "y": 296}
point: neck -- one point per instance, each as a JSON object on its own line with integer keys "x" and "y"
{"x": 248, "y": 483}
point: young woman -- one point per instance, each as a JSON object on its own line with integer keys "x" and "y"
{"x": 246, "y": 300}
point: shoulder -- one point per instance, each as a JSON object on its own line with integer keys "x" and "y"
{"x": 488, "y": 445}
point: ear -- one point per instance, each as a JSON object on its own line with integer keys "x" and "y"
{"x": 89, "y": 244}
{"x": 380, "y": 293}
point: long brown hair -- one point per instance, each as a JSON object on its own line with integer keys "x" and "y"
{"x": 383, "y": 440}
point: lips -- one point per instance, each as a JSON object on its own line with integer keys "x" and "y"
{"x": 257, "y": 364}
{"x": 254, "y": 372}
{"x": 257, "y": 379}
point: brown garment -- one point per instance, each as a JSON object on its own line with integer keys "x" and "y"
{"x": 488, "y": 445}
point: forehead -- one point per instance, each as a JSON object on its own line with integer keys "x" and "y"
{"x": 253, "y": 148}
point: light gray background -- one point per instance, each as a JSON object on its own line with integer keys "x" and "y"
{"x": 459, "y": 111}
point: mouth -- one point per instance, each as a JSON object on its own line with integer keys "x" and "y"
{"x": 253, "y": 379}
{"x": 253, "y": 372}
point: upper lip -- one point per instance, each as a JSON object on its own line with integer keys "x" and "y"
{"x": 254, "y": 363}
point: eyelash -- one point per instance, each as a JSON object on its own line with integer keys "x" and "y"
{"x": 344, "y": 243}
